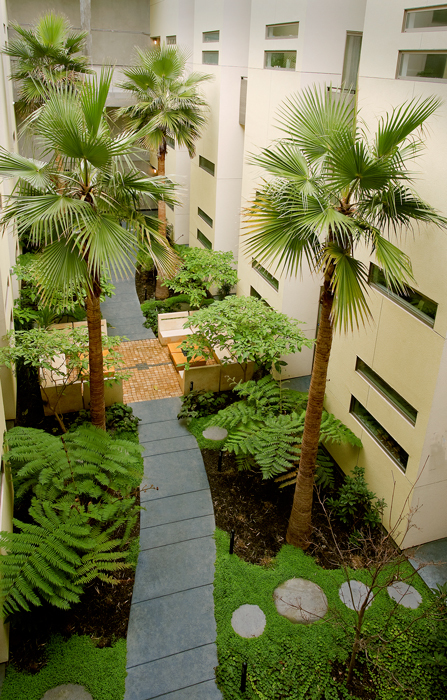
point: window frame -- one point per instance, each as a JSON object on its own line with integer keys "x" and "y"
{"x": 171, "y": 36}
{"x": 362, "y": 422}
{"x": 203, "y": 163}
{"x": 386, "y": 391}
{"x": 403, "y": 303}
{"x": 266, "y": 67}
{"x": 205, "y": 217}
{"x": 211, "y": 41}
{"x": 282, "y": 24}
{"x": 419, "y": 78}
{"x": 265, "y": 274}
{"x": 207, "y": 63}
{"x": 201, "y": 238}
{"x": 412, "y": 30}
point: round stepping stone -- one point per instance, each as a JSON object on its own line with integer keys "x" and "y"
{"x": 300, "y": 601}
{"x": 404, "y": 594}
{"x": 248, "y": 621}
{"x": 67, "y": 692}
{"x": 215, "y": 433}
{"x": 353, "y": 594}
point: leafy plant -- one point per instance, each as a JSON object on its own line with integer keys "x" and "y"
{"x": 119, "y": 419}
{"x": 356, "y": 505}
{"x": 201, "y": 270}
{"x": 82, "y": 513}
{"x": 153, "y": 307}
{"x": 201, "y": 403}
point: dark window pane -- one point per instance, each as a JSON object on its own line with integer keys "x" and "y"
{"x": 207, "y": 165}
{"x": 273, "y": 282}
{"x": 378, "y": 432}
{"x": 205, "y": 217}
{"x": 413, "y": 301}
{"x": 396, "y": 399}
{"x": 204, "y": 240}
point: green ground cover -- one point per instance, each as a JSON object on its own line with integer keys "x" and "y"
{"x": 78, "y": 661}
{"x": 303, "y": 661}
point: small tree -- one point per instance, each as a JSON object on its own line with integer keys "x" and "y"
{"x": 60, "y": 358}
{"x": 246, "y": 330}
{"x": 202, "y": 269}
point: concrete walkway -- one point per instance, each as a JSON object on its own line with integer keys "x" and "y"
{"x": 123, "y": 312}
{"x": 171, "y": 651}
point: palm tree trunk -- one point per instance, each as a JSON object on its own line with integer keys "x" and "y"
{"x": 300, "y": 528}
{"x": 95, "y": 358}
{"x": 161, "y": 291}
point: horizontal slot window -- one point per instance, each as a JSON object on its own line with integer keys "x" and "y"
{"x": 170, "y": 141}
{"x": 210, "y": 58}
{"x": 416, "y": 303}
{"x": 254, "y": 293}
{"x": 204, "y": 240}
{"x": 171, "y": 206}
{"x": 206, "y": 165}
{"x": 433, "y": 18}
{"x": 273, "y": 282}
{"x": 284, "y": 60}
{"x": 419, "y": 65}
{"x": 170, "y": 40}
{"x": 210, "y": 36}
{"x": 288, "y": 30}
{"x": 386, "y": 390}
{"x": 205, "y": 217}
{"x": 379, "y": 434}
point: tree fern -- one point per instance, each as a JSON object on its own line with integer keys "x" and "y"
{"x": 83, "y": 510}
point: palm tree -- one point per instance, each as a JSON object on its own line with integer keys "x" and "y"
{"x": 73, "y": 206}
{"x": 46, "y": 54}
{"x": 168, "y": 107}
{"x": 332, "y": 192}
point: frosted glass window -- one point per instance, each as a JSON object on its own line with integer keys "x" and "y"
{"x": 433, "y": 18}
{"x": 287, "y": 30}
{"x": 351, "y": 60}
{"x": 284, "y": 60}
{"x": 417, "y": 65}
{"x": 210, "y": 36}
{"x": 210, "y": 58}
{"x": 171, "y": 39}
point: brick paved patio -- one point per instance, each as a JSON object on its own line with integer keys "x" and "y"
{"x": 153, "y": 374}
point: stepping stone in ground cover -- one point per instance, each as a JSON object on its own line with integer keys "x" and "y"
{"x": 248, "y": 621}
{"x": 67, "y": 692}
{"x": 404, "y": 594}
{"x": 215, "y": 433}
{"x": 300, "y": 601}
{"x": 353, "y": 593}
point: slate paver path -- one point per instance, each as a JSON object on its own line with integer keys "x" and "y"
{"x": 122, "y": 311}
{"x": 171, "y": 651}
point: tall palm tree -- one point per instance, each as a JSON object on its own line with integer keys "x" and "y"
{"x": 73, "y": 206}
{"x": 168, "y": 106}
{"x": 332, "y": 192}
{"x": 46, "y": 54}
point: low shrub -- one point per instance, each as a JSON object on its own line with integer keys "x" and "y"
{"x": 153, "y": 307}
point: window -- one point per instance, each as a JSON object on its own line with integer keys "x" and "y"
{"x": 386, "y": 390}
{"x": 171, "y": 206}
{"x": 414, "y": 302}
{"x": 428, "y": 19}
{"x": 254, "y": 293}
{"x": 418, "y": 65}
{"x": 379, "y": 434}
{"x": 205, "y": 217}
{"x": 171, "y": 39}
{"x": 288, "y": 30}
{"x": 204, "y": 240}
{"x": 170, "y": 141}
{"x": 206, "y": 165}
{"x": 210, "y": 58}
{"x": 243, "y": 101}
{"x": 285, "y": 60}
{"x": 273, "y": 282}
{"x": 210, "y": 36}
{"x": 351, "y": 60}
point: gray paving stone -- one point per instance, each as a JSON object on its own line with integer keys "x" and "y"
{"x": 430, "y": 561}
{"x": 201, "y": 691}
{"x": 67, "y": 692}
{"x": 158, "y": 410}
{"x": 170, "y": 428}
{"x": 176, "y": 444}
{"x": 174, "y": 568}
{"x": 353, "y": 593}
{"x": 171, "y": 674}
{"x": 248, "y": 621}
{"x": 405, "y": 595}
{"x": 170, "y": 624}
{"x": 300, "y": 601}
{"x": 173, "y": 473}
{"x": 174, "y": 508}
{"x": 215, "y": 433}
{"x": 171, "y": 533}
